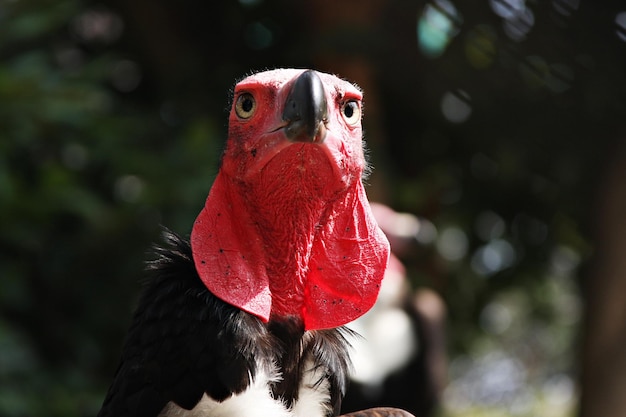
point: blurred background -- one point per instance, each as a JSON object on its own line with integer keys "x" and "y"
{"x": 498, "y": 124}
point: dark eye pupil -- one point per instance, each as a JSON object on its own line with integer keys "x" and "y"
{"x": 349, "y": 110}
{"x": 247, "y": 104}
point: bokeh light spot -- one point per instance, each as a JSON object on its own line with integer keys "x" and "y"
{"x": 620, "y": 23}
{"x": 128, "y": 188}
{"x": 517, "y": 27}
{"x": 437, "y": 25}
{"x": 455, "y": 106}
{"x": 493, "y": 257}
{"x": 452, "y": 244}
{"x": 427, "y": 232}
{"x": 564, "y": 261}
{"x": 507, "y": 9}
{"x": 480, "y": 46}
{"x": 493, "y": 379}
{"x": 559, "y": 390}
{"x": 496, "y": 318}
{"x": 98, "y": 26}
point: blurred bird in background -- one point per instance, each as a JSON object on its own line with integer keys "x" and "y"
{"x": 400, "y": 360}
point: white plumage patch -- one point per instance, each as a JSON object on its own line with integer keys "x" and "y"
{"x": 388, "y": 340}
{"x": 257, "y": 401}
{"x": 313, "y": 396}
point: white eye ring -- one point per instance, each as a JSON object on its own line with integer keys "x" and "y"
{"x": 351, "y": 112}
{"x": 245, "y": 106}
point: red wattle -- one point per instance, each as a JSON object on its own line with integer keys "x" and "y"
{"x": 227, "y": 257}
{"x": 346, "y": 264}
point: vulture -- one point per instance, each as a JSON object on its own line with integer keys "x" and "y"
{"x": 246, "y": 317}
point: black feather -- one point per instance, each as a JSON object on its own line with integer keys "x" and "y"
{"x": 184, "y": 342}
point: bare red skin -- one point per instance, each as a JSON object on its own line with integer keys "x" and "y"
{"x": 287, "y": 229}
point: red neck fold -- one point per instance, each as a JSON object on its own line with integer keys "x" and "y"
{"x": 296, "y": 243}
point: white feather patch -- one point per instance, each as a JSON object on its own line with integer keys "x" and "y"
{"x": 313, "y": 396}
{"x": 257, "y": 401}
{"x": 388, "y": 341}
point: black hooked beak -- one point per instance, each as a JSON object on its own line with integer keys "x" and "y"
{"x": 306, "y": 110}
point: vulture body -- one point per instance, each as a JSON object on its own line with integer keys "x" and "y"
{"x": 246, "y": 318}
{"x": 189, "y": 350}
{"x": 400, "y": 357}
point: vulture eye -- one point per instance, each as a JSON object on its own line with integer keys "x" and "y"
{"x": 351, "y": 112}
{"x": 245, "y": 106}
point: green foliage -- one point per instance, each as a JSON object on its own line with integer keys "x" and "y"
{"x": 112, "y": 121}
{"x": 86, "y": 176}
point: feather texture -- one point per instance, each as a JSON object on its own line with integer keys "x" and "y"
{"x": 185, "y": 343}
{"x": 284, "y": 253}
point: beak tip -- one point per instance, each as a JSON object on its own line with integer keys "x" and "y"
{"x": 306, "y": 108}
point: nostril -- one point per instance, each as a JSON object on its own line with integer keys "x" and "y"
{"x": 320, "y": 135}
